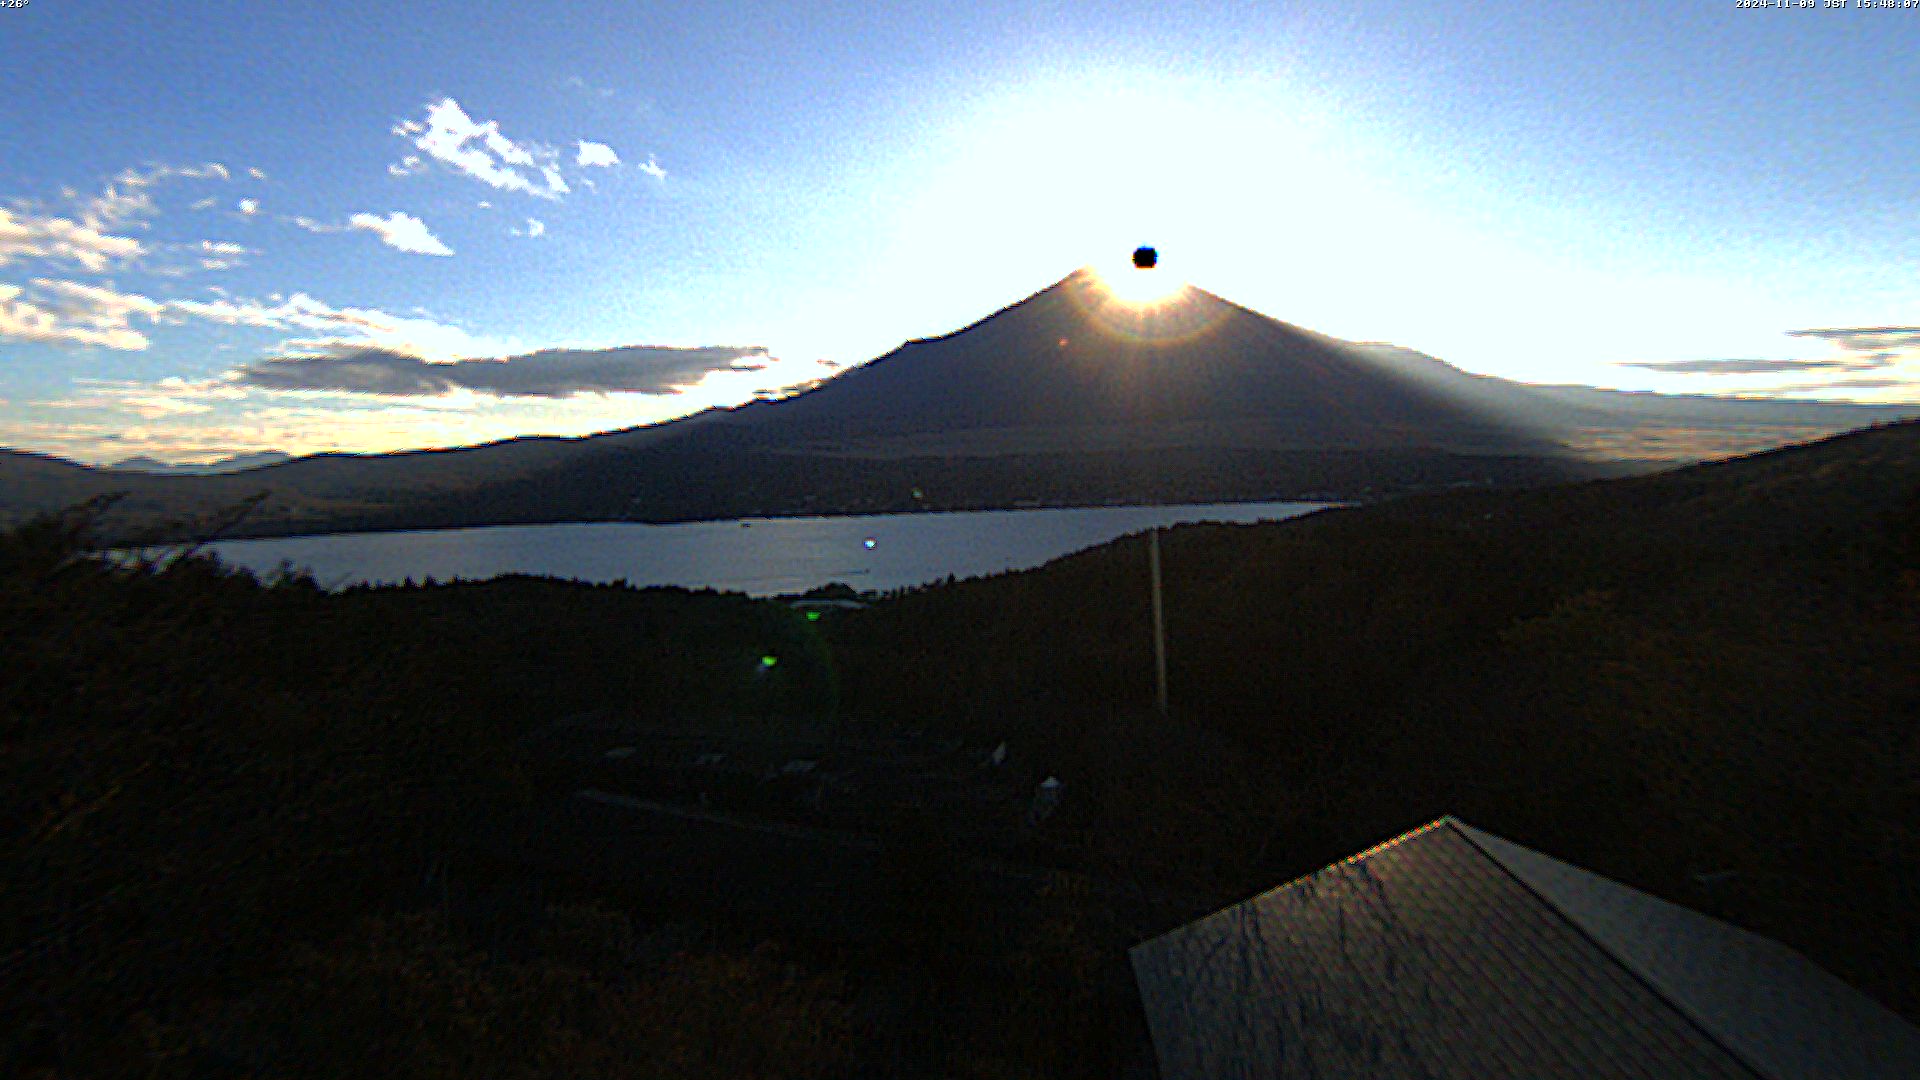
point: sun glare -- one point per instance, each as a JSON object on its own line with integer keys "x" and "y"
{"x": 1139, "y": 287}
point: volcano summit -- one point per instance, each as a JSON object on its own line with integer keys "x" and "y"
{"x": 1078, "y": 367}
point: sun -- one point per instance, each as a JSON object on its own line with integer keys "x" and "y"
{"x": 1138, "y": 286}
{"x": 1137, "y": 298}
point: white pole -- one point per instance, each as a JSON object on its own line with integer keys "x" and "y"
{"x": 1159, "y": 626}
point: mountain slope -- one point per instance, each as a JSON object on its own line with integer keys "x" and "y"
{"x": 1092, "y": 371}
{"x": 1638, "y": 425}
{"x": 1066, "y": 397}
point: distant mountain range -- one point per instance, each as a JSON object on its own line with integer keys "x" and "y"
{"x": 1067, "y": 397}
{"x": 236, "y": 463}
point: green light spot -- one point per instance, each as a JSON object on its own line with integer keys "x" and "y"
{"x": 813, "y": 616}
{"x": 769, "y": 661}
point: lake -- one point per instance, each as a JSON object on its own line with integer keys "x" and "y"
{"x": 757, "y": 556}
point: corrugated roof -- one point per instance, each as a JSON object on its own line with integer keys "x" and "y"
{"x": 1777, "y": 1010}
{"x": 1449, "y": 952}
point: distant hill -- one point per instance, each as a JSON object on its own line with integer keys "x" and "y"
{"x": 236, "y": 463}
{"x": 1067, "y": 397}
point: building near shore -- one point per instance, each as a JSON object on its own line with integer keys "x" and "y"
{"x": 1453, "y": 953}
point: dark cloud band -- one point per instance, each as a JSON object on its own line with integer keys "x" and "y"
{"x": 1865, "y": 337}
{"x": 1736, "y": 367}
{"x": 549, "y": 373}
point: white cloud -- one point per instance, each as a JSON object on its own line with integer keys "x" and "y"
{"x": 1863, "y": 363}
{"x": 117, "y": 203}
{"x": 510, "y": 152}
{"x": 425, "y": 338}
{"x": 220, "y": 254}
{"x": 401, "y": 231}
{"x": 92, "y": 235}
{"x": 485, "y": 205}
{"x": 98, "y": 305}
{"x": 248, "y": 207}
{"x": 593, "y": 154}
{"x": 27, "y": 236}
{"x": 535, "y": 227}
{"x": 127, "y": 197}
{"x": 479, "y": 150}
{"x": 169, "y": 434}
{"x": 256, "y": 174}
{"x": 149, "y": 401}
{"x": 71, "y": 313}
{"x": 407, "y": 166}
{"x": 652, "y": 168}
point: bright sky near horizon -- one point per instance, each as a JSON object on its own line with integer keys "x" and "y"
{"x": 228, "y": 227}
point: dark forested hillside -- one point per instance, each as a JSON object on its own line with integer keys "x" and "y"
{"x": 252, "y": 827}
{"x": 1711, "y": 670}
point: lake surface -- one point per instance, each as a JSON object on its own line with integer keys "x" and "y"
{"x": 758, "y": 556}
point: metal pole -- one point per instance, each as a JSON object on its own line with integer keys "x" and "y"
{"x": 1159, "y": 626}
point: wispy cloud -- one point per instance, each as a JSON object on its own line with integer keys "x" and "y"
{"x": 343, "y": 327}
{"x": 1864, "y": 362}
{"x": 1844, "y": 386}
{"x": 575, "y": 82}
{"x": 652, "y": 168}
{"x": 25, "y": 235}
{"x": 249, "y": 207}
{"x": 220, "y": 254}
{"x": 149, "y": 401}
{"x": 127, "y": 196}
{"x": 535, "y": 227}
{"x": 1865, "y": 337}
{"x": 70, "y": 313}
{"x": 1734, "y": 367}
{"x": 1868, "y": 347}
{"x": 549, "y": 373}
{"x": 98, "y": 304}
{"x": 596, "y": 155}
{"x": 169, "y": 429}
{"x": 397, "y": 230}
{"x": 403, "y": 232}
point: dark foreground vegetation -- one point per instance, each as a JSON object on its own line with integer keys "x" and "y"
{"x": 246, "y": 824}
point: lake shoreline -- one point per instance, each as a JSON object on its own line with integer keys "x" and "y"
{"x": 1322, "y": 499}
{"x": 761, "y": 556}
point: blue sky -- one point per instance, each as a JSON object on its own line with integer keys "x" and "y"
{"x": 231, "y": 227}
